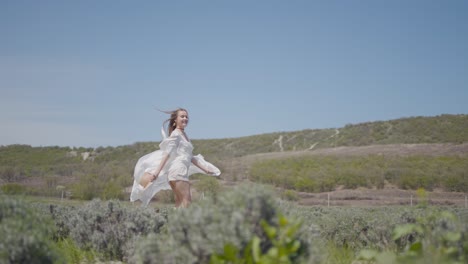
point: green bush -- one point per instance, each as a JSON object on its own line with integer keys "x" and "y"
{"x": 352, "y": 180}
{"x": 107, "y": 228}
{"x": 323, "y": 173}
{"x": 239, "y": 224}
{"x": 289, "y": 195}
{"x": 74, "y": 254}
{"x": 112, "y": 190}
{"x": 305, "y": 184}
{"x": 165, "y": 196}
{"x": 13, "y": 188}
{"x": 359, "y": 229}
{"x": 25, "y": 234}
{"x": 456, "y": 183}
{"x": 439, "y": 237}
{"x": 92, "y": 187}
{"x": 87, "y": 188}
{"x": 194, "y": 234}
{"x": 282, "y": 246}
{"x": 209, "y": 186}
{"x": 353, "y": 228}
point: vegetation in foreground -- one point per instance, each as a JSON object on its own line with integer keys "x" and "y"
{"x": 245, "y": 225}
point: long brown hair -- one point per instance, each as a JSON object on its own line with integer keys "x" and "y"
{"x": 172, "y": 119}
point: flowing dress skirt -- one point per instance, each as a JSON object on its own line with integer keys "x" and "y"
{"x": 149, "y": 163}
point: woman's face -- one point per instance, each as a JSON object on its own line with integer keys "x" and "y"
{"x": 182, "y": 119}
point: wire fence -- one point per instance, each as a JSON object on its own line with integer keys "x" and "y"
{"x": 363, "y": 198}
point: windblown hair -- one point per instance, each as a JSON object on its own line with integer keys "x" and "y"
{"x": 172, "y": 119}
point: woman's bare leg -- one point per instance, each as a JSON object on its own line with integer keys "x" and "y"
{"x": 177, "y": 199}
{"x": 184, "y": 186}
{"x": 176, "y": 194}
{"x": 174, "y": 190}
{"x": 182, "y": 192}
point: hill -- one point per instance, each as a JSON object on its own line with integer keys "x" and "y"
{"x": 247, "y": 157}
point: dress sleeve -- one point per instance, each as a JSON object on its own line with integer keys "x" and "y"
{"x": 169, "y": 145}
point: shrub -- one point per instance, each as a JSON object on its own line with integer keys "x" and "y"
{"x": 305, "y": 184}
{"x": 408, "y": 181}
{"x": 354, "y": 228}
{"x": 87, "y": 188}
{"x": 457, "y": 183}
{"x": 8, "y": 173}
{"x": 289, "y": 195}
{"x": 74, "y": 254}
{"x": 165, "y": 196}
{"x": 322, "y": 173}
{"x": 422, "y": 197}
{"x": 112, "y": 191}
{"x": 281, "y": 246}
{"x": 107, "y": 228}
{"x": 438, "y": 237}
{"x": 352, "y": 180}
{"x": 196, "y": 233}
{"x": 209, "y": 186}
{"x": 91, "y": 186}
{"x": 25, "y": 234}
{"x": 13, "y": 188}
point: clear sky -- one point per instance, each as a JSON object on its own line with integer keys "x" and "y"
{"x": 92, "y": 73}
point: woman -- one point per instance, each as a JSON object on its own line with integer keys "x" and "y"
{"x": 171, "y": 166}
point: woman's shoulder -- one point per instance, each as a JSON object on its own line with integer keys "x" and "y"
{"x": 176, "y": 133}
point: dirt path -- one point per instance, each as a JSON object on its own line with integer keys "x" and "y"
{"x": 386, "y": 196}
{"x": 395, "y": 149}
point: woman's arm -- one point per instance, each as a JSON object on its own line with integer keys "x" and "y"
{"x": 196, "y": 163}
{"x": 161, "y": 166}
{"x": 169, "y": 147}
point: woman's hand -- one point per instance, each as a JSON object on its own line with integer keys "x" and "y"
{"x": 210, "y": 172}
{"x": 203, "y": 168}
{"x": 155, "y": 176}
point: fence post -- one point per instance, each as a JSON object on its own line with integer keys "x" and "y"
{"x": 411, "y": 200}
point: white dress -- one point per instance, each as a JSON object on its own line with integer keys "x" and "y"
{"x": 179, "y": 166}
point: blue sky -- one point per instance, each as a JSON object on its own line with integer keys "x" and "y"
{"x": 91, "y": 73}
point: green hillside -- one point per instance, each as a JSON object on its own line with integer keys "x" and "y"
{"x": 414, "y": 130}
